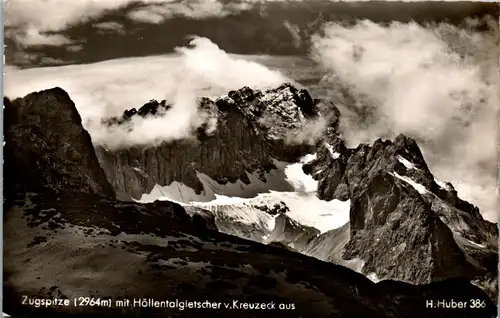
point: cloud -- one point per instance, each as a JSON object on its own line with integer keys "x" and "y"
{"x": 32, "y": 37}
{"x": 310, "y": 132}
{"x": 35, "y": 22}
{"x": 200, "y": 9}
{"x": 29, "y": 58}
{"x": 437, "y": 84}
{"x": 74, "y": 48}
{"x": 146, "y": 16}
{"x": 106, "y": 89}
{"x": 8, "y": 69}
{"x": 24, "y": 58}
{"x": 46, "y": 60}
{"x": 294, "y": 32}
{"x": 110, "y": 27}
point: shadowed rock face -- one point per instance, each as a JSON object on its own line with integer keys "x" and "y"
{"x": 254, "y": 128}
{"x": 291, "y": 234}
{"x": 404, "y": 223}
{"x": 68, "y": 244}
{"x": 45, "y": 137}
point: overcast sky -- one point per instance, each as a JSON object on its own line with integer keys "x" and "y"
{"x": 57, "y": 32}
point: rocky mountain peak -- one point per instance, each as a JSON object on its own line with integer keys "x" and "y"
{"x": 402, "y": 216}
{"x": 254, "y": 128}
{"x": 45, "y": 137}
{"x": 276, "y": 112}
{"x": 151, "y": 108}
{"x": 285, "y": 96}
{"x": 401, "y": 158}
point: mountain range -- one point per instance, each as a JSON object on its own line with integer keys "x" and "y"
{"x": 263, "y": 203}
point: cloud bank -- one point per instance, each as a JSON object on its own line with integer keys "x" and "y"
{"x": 42, "y": 23}
{"x": 110, "y": 27}
{"x": 158, "y": 12}
{"x": 35, "y": 22}
{"x": 106, "y": 89}
{"x": 437, "y": 84}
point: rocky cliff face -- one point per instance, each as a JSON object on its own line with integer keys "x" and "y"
{"x": 254, "y": 129}
{"x": 45, "y": 138}
{"x": 405, "y": 224}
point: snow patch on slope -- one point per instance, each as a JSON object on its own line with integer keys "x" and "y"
{"x": 408, "y": 164}
{"x": 373, "y": 277}
{"x": 241, "y": 210}
{"x": 420, "y": 188}
{"x": 475, "y": 244}
{"x": 334, "y": 154}
{"x": 306, "y": 209}
{"x": 462, "y": 241}
{"x": 442, "y": 184}
{"x": 356, "y": 264}
{"x": 311, "y": 211}
{"x": 308, "y": 158}
{"x": 178, "y": 192}
{"x": 288, "y": 184}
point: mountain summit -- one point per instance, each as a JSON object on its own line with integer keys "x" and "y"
{"x": 44, "y": 135}
{"x": 405, "y": 224}
{"x": 245, "y": 133}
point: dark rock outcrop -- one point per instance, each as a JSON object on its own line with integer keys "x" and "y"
{"x": 254, "y": 129}
{"x": 151, "y": 108}
{"x": 275, "y": 209}
{"x": 47, "y": 147}
{"x": 404, "y": 223}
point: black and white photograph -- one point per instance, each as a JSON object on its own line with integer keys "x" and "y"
{"x": 250, "y": 158}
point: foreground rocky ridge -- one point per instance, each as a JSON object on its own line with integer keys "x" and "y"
{"x": 64, "y": 239}
{"x": 73, "y": 257}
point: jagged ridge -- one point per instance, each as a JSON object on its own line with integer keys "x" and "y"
{"x": 254, "y": 129}
{"x": 405, "y": 224}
